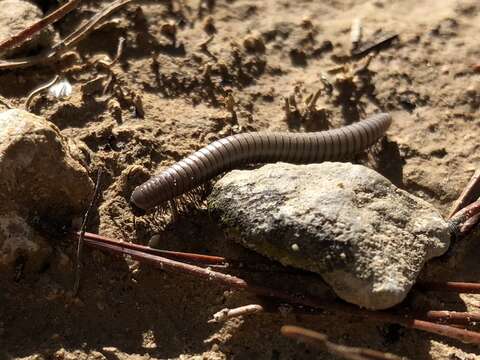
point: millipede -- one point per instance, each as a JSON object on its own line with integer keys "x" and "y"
{"x": 256, "y": 147}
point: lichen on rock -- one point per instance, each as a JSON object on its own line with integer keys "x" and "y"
{"x": 364, "y": 236}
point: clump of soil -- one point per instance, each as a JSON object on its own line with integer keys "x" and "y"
{"x": 195, "y": 71}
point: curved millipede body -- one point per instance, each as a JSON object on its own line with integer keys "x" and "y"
{"x": 257, "y": 147}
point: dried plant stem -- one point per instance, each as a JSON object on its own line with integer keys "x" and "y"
{"x": 450, "y": 286}
{"x": 225, "y": 314}
{"x": 27, "y": 33}
{"x": 356, "y": 33}
{"x": 451, "y": 317}
{"x": 438, "y": 316}
{"x": 375, "y": 46}
{"x": 91, "y": 25}
{"x": 190, "y": 257}
{"x": 238, "y": 283}
{"x": 66, "y": 44}
{"x": 120, "y": 46}
{"x": 468, "y": 195}
{"x": 39, "y": 90}
{"x": 81, "y": 237}
{"x": 198, "y": 259}
{"x": 321, "y": 340}
{"x": 464, "y": 220}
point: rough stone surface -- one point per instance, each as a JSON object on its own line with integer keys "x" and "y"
{"x": 17, "y": 15}
{"x": 39, "y": 178}
{"x": 18, "y": 239}
{"x": 367, "y": 238}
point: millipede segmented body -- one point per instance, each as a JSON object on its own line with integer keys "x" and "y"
{"x": 257, "y": 147}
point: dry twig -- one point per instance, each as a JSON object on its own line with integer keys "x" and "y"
{"x": 27, "y": 33}
{"x": 203, "y": 47}
{"x": 198, "y": 259}
{"x": 451, "y": 317}
{"x": 193, "y": 258}
{"x": 464, "y": 220}
{"x": 66, "y": 44}
{"x": 225, "y": 314}
{"x": 468, "y": 195}
{"x": 321, "y": 340}
{"x": 450, "y": 286}
{"x": 238, "y": 283}
{"x": 438, "y": 316}
{"x": 377, "y": 45}
{"x": 81, "y": 237}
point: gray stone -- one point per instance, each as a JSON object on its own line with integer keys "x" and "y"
{"x": 17, "y": 15}
{"x": 39, "y": 178}
{"x": 365, "y": 237}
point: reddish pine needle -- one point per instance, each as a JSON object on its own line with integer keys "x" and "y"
{"x": 196, "y": 258}
{"x": 465, "y": 220}
{"x": 468, "y": 195}
{"x": 173, "y": 266}
{"x": 450, "y": 286}
{"x": 321, "y": 340}
{"x": 451, "y": 317}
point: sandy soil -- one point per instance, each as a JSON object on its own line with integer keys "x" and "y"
{"x": 261, "y": 52}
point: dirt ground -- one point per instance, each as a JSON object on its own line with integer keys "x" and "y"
{"x": 193, "y": 92}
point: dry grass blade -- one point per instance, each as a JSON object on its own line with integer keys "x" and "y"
{"x": 86, "y": 217}
{"x": 321, "y": 340}
{"x": 27, "y": 33}
{"x": 68, "y": 43}
{"x": 91, "y": 25}
{"x": 39, "y": 90}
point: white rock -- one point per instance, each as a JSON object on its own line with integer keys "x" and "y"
{"x": 368, "y": 239}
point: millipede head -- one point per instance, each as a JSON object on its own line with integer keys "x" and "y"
{"x": 136, "y": 210}
{"x": 152, "y": 193}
